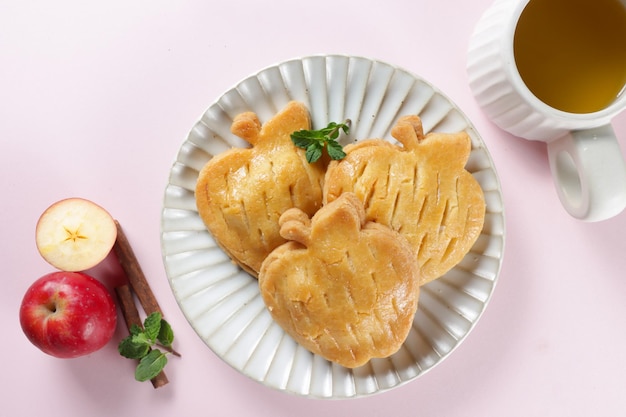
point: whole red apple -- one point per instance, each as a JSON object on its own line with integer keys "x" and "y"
{"x": 68, "y": 314}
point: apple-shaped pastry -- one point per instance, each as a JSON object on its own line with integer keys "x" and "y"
{"x": 75, "y": 234}
{"x": 343, "y": 288}
{"x": 241, "y": 193}
{"x": 420, "y": 189}
{"x": 68, "y": 314}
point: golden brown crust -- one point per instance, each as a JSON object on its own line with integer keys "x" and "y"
{"x": 420, "y": 189}
{"x": 343, "y": 288}
{"x": 241, "y": 193}
{"x": 340, "y": 253}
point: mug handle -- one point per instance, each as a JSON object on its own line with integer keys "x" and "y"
{"x": 589, "y": 173}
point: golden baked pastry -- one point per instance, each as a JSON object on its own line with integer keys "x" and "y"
{"x": 420, "y": 189}
{"x": 343, "y": 288}
{"x": 241, "y": 193}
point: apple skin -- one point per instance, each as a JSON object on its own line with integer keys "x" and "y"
{"x": 68, "y": 314}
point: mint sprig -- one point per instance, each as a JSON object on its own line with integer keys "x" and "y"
{"x": 314, "y": 141}
{"x": 150, "y": 365}
{"x": 144, "y": 343}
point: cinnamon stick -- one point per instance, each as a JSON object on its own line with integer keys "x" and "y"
{"x": 131, "y": 317}
{"x": 136, "y": 278}
{"x": 127, "y": 305}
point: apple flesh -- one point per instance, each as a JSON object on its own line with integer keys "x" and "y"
{"x": 75, "y": 234}
{"x": 68, "y": 314}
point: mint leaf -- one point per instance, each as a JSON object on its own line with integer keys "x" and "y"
{"x": 134, "y": 329}
{"x": 141, "y": 339}
{"x": 152, "y": 325}
{"x": 150, "y": 365}
{"x": 166, "y": 334}
{"x": 314, "y": 141}
{"x": 335, "y": 151}
{"x": 314, "y": 152}
{"x": 332, "y": 131}
{"x": 300, "y": 139}
{"x": 132, "y": 349}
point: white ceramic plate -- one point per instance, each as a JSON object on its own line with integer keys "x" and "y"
{"x": 223, "y": 303}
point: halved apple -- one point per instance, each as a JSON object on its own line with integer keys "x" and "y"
{"x": 75, "y": 234}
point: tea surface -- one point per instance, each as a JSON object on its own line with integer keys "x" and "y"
{"x": 572, "y": 53}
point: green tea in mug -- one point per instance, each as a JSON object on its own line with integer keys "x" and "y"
{"x": 571, "y": 54}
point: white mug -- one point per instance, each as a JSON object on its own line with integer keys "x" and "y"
{"x": 584, "y": 155}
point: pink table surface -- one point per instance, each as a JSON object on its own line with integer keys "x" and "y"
{"x": 97, "y": 97}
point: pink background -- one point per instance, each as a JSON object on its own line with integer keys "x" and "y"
{"x": 97, "y": 97}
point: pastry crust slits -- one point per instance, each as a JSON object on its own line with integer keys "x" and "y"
{"x": 241, "y": 193}
{"x": 419, "y": 188}
{"x": 358, "y": 274}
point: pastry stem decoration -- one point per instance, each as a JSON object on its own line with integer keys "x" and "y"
{"x": 341, "y": 240}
